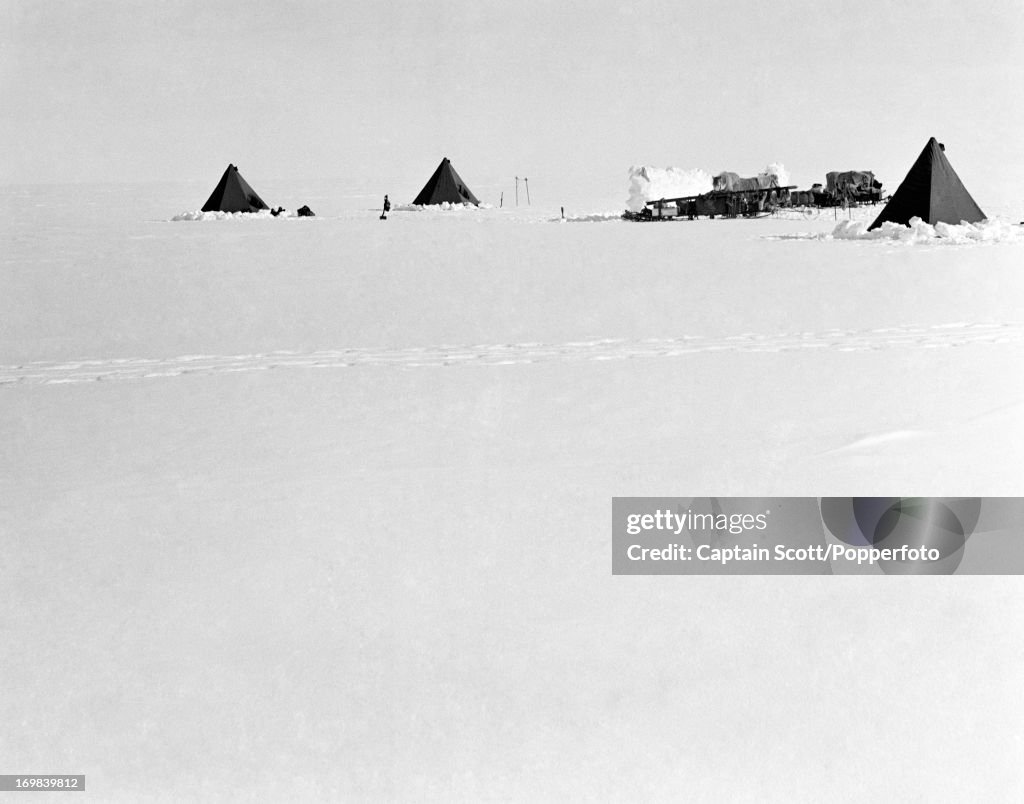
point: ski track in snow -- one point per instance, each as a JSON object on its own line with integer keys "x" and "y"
{"x": 929, "y": 337}
{"x": 880, "y": 441}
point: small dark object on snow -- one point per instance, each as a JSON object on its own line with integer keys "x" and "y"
{"x": 276, "y": 212}
{"x": 387, "y": 208}
{"x": 305, "y": 212}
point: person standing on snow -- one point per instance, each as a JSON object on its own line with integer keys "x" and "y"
{"x": 387, "y": 208}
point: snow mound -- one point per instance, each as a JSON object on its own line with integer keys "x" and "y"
{"x": 648, "y": 183}
{"x": 987, "y": 231}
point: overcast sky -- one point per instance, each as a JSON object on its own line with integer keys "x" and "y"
{"x": 567, "y": 92}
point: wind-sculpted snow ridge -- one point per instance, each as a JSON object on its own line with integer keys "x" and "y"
{"x": 937, "y": 336}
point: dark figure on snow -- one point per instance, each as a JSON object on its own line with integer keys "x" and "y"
{"x": 387, "y": 208}
{"x": 304, "y": 212}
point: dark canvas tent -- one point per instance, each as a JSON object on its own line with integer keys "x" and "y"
{"x": 445, "y": 185}
{"x": 932, "y": 192}
{"x": 233, "y": 194}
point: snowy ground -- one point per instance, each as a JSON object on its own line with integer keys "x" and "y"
{"x": 319, "y": 508}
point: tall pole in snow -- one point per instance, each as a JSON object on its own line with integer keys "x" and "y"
{"x": 517, "y": 191}
{"x": 527, "y": 190}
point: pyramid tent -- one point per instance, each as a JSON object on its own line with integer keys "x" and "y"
{"x": 233, "y": 194}
{"x": 932, "y": 192}
{"x": 445, "y": 185}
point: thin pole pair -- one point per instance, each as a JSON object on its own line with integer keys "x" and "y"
{"x": 526, "y": 181}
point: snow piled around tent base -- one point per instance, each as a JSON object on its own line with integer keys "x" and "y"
{"x": 993, "y": 230}
{"x": 444, "y": 205}
{"x": 987, "y": 231}
{"x": 263, "y": 214}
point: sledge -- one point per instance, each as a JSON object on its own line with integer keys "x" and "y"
{"x": 757, "y": 203}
